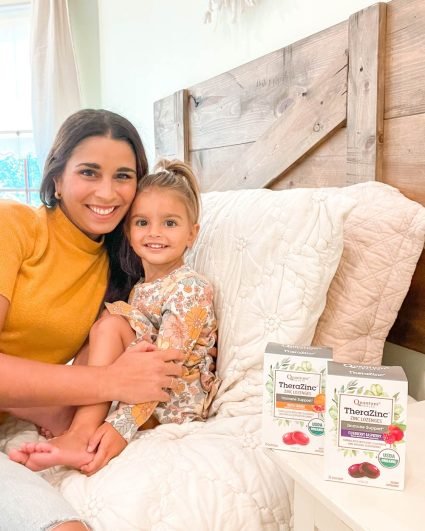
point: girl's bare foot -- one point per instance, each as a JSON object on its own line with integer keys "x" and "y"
{"x": 68, "y": 449}
{"x": 47, "y": 434}
{"x": 53, "y": 420}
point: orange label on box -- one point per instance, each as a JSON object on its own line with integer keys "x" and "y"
{"x": 295, "y": 405}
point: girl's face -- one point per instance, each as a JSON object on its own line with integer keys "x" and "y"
{"x": 98, "y": 184}
{"x": 160, "y": 230}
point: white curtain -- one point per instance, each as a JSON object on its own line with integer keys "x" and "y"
{"x": 232, "y": 8}
{"x": 55, "y": 85}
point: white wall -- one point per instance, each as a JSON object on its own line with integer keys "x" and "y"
{"x": 84, "y": 19}
{"x": 151, "y": 48}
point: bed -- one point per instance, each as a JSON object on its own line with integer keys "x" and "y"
{"x": 312, "y": 168}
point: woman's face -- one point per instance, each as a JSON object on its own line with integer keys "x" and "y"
{"x": 98, "y": 184}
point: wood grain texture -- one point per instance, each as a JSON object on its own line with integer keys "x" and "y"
{"x": 307, "y": 122}
{"x": 404, "y": 168}
{"x": 405, "y": 61}
{"x": 210, "y": 164}
{"x": 325, "y": 166}
{"x": 171, "y": 126}
{"x": 404, "y": 155}
{"x": 182, "y": 125}
{"x": 240, "y": 105}
{"x": 365, "y": 101}
{"x": 409, "y": 328}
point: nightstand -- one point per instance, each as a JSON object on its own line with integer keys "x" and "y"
{"x": 321, "y": 505}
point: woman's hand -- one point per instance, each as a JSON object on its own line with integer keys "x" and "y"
{"x": 136, "y": 377}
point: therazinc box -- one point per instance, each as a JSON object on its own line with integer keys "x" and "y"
{"x": 366, "y": 425}
{"x": 294, "y": 397}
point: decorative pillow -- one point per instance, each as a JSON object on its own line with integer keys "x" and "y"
{"x": 383, "y": 239}
{"x": 270, "y": 256}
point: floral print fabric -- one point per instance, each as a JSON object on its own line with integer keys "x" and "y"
{"x": 175, "y": 311}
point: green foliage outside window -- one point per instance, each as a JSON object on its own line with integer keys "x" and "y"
{"x": 20, "y": 178}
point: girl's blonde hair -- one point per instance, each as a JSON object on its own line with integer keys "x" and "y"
{"x": 178, "y": 176}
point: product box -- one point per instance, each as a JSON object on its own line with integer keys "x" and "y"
{"x": 366, "y": 425}
{"x": 294, "y": 397}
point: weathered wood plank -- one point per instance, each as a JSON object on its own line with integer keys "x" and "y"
{"x": 238, "y": 106}
{"x": 365, "y": 100}
{"x": 404, "y": 160}
{"x": 405, "y": 66}
{"x": 409, "y": 328}
{"x": 171, "y": 126}
{"x": 182, "y": 125}
{"x": 217, "y": 121}
{"x": 325, "y": 166}
{"x": 210, "y": 164}
{"x": 165, "y": 137}
{"x": 298, "y": 59}
{"x": 307, "y": 122}
{"x": 404, "y": 155}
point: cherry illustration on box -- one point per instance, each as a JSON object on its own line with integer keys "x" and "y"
{"x": 294, "y": 397}
{"x": 366, "y": 425}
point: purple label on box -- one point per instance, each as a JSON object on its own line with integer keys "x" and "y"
{"x": 361, "y": 435}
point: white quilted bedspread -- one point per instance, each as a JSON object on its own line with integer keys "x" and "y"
{"x": 191, "y": 477}
{"x": 271, "y": 257}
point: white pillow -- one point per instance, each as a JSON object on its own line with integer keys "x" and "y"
{"x": 270, "y": 256}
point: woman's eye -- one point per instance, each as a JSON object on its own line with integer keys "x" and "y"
{"x": 141, "y": 223}
{"x": 88, "y": 172}
{"x": 170, "y": 223}
{"x": 123, "y": 176}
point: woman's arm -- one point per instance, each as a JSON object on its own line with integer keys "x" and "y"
{"x": 132, "y": 378}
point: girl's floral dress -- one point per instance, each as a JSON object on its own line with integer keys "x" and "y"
{"x": 175, "y": 311}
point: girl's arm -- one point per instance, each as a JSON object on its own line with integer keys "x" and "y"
{"x": 180, "y": 328}
{"x": 132, "y": 378}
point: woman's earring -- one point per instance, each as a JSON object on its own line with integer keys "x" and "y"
{"x": 58, "y": 195}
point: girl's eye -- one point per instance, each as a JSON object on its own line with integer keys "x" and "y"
{"x": 141, "y": 223}
{"x": 170, "y": 223}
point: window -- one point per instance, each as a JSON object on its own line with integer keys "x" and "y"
{"x": 20, "y": 175}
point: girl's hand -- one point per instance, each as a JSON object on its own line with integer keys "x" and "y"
{"x": 107, "y": 443}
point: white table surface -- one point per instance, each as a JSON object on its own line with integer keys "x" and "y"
{"x": 369, "y": 508}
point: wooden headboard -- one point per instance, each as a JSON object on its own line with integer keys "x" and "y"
{"x": 342, "y": 106}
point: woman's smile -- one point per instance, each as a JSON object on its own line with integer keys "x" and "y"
{"x": 101, "y": 211}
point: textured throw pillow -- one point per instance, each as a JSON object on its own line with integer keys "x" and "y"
{"x": 270, "y": 257}
{"x": 383, "y": 239}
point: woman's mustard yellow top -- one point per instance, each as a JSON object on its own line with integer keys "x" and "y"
{"x": 54, "y": 277}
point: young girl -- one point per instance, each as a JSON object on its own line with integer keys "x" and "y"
{"x": 171, "y": 306}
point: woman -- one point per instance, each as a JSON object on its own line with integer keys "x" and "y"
{"x": 58, "y": 264}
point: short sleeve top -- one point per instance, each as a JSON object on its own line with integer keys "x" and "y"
{"x": 54, "y": 277}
